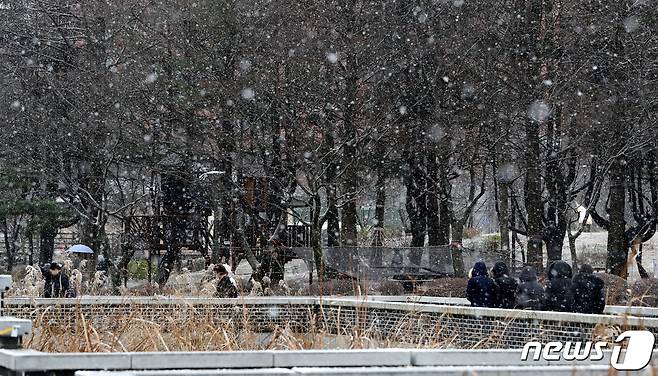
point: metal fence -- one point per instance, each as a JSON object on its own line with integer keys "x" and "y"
{"x": 377, "y": 263}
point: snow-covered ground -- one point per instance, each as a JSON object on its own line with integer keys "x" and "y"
{"x": 592, "y": 245}
{"x": 595, "y": 243}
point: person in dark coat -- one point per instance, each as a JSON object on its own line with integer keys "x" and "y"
{"x": 481, "y": 291}
{"x": 559, "y": 296}
{"x": 587, "y": 289}
{"x": 102, "y": 264}
{"x": 226, "y": 287}
{"x": 530, "y": 294}
{"x": 57, "y": 282}
{"x": 506, "y": 286}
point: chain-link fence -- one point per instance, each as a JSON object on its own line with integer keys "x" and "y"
{"x": 379, "y": 263}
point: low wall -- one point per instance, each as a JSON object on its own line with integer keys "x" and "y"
{"x": 609, "y": 310}
{"x": 318, "y": 362}
{"x": 388, "y": 324}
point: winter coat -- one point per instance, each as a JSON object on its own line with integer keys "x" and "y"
{"x": 530, "y": 294}
{"x": 559, "y": 295}
{"x": 56, "y": 286}
{"x": 588, "y": 293}
{"x": 102, "y": 265}
{"x": 226, "y": 288}
{"x": 481, "y": 290}
{"x": 506, "y": 286}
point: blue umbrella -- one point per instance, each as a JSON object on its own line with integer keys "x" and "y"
{"x": 80, "y": 248}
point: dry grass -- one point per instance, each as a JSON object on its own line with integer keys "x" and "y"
{"x": 184, "y": 329}
{"x": 187, "y": 328}
{"x": 138, "y": 332}
{"x": 448, "y": 287}
{"x": 207, "y": 327}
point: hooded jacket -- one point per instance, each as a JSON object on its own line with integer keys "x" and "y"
{"x": 506, "y": 286}
{"x": 588, "y": 294}
{"x": 56, "y": 286}
{"x": 530, "y": 294}
{"x": 226, "y": 288}
{"x": 481, "y": 290}
{"x": 559, "y": 294}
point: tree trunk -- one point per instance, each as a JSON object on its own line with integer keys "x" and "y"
{"x": 380, "y": 208}
{"x": 8, "y": 246}
{"x": 471, "y": 196}
{"x": 554, "y": 244}
{"x": 502, "y": 185}
{"x": 380, "y": 211}
{"x": 316, "y": 243}
{"x": 456, "y": 249}
{"x": 216, "y": 251}
{"x": 332, "y": 215}
{"x": 533, "y": 199}
{"x": 436, "y": 234}
{"x": 92, "y": 234}
{"x": 503, "y": 215}
{"x": 244, "y": 244}
{"x": 127, "y": 253}
{"x": 349, "y": 212}
{"x": 166, "y": 264}
{"x": 47, "y": 244}
{"x": 572, "y": 250}
{"x": 530, "y": 61}
{"x": 30, "y": 246}
{"x": 416, "y": 202}
{"x": 444, "y": 224}
{"x": 333, "y": 232}
{"x": 333, "y": 224}
{"x": 617, "y": 244}
{"x": 417, "y": 210}
{"x": 349, "y": 221}
{"x": 433, "y": 215}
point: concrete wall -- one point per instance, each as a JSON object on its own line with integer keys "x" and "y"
{"x": 339, "y": 362}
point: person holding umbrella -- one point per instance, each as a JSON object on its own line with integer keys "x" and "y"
{"x": 81, "y": 249}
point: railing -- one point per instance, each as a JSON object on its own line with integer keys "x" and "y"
{"x": 415, "y": 324}
{"x": 377, "y": 263}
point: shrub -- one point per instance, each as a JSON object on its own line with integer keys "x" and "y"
{"x": 447, "y": 287}
{"x": 391, "y": 288}
{"x": 138, "y": 269}
{"x": 471, "y": 232}
{"x": 198, "y": 264}
{"x": 645, "y": 292}
{"x": 492, "y": 242}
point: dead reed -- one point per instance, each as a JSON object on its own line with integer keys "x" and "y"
{"x": 142, "y": 329}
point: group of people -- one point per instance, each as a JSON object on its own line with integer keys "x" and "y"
{"x": 57, "y": 284}
{"x": 582, "y": 293}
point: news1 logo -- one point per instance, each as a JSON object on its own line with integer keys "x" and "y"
{"x": 637, "y": 355}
